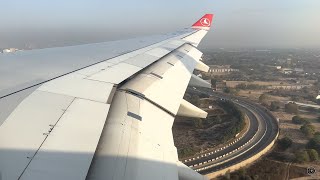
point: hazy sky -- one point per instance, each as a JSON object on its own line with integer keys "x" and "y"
{"x": 240, "y": 23}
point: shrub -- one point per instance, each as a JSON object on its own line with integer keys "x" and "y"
{"x": 275, "y": 105}
{"x": 285, "y": 143}
{"x": 308, "y": 129}
{"x": 186, "y": 152}
{"x": 314, "y": 143}
{"x": 313, "y": 154}
{"x": 263, "y": 98}
{"x": 302, "y": 156}
{"x": 298, "y": 120}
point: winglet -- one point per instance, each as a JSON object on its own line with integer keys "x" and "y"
{"x": 204, "y": 22}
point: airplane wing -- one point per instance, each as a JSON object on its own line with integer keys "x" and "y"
{"x": 99, "y": 111}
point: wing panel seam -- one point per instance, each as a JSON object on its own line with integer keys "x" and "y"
{"x": 47, "y": 135}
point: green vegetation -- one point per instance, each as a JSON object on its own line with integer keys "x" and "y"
{"x": 308, "y": 129}
{"x": 263, "y": 99}
{"x": 298, "y": 120}
{"x": 229, "y": 90}
{"x": 291, "y": 108}
{"x": 185, "y": 152}
{"x": 225, "y": 120}
{"x": 250, "y": 86}
{"x": 314, "y": 143}
{"x": 237, "y": 125}
{"x": 313, "y": 154}
{"x": 285, "y": 143}
{"x": 302, "y": 156}
{"x": 307, "y": 155}
{"x": 275, "y": 105}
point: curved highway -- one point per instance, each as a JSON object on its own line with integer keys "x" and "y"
{"x": 262, "y": 131}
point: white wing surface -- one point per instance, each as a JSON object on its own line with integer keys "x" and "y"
{"x": 98, "y": 112}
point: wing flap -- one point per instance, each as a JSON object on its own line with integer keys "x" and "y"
{"x": 137, "y": 141}
{"x": 25, "y": 130}
{"x": 170, "y": 80}
{"x": 133, "y": 148}
{"x": 68, "y": 151}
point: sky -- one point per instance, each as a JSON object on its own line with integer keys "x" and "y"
{"x": 237, "y": 24}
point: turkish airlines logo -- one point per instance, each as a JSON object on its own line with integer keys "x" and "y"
{"x": 205, "y": 22}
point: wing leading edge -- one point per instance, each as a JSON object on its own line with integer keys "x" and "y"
{"x": 108, "y": 120}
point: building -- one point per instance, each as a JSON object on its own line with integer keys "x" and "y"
{"x": 219, "y": 85}
{"x": 288, "y": 87}
{"x": 286, "y": 70}
{"x": 220, "y": 70}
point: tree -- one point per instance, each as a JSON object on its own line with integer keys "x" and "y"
{"x": 302, "y": 156}
{"x": 313, "y": 154}
{"x": 227, "y": 90}
{"x": 230, "y": 90}
{"x": 263, "y": 98}
{"x": 213, "y": 82}
{"x": 285, "y": 143}
{"x": 275, "y": 105}
{"x": 298, "y": 120}
{"x": 314, "y": 143}
{"x": 291, "y": 108}
{"x": 308, "y": 129}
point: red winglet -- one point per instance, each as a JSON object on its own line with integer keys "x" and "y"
{"x": 204, "y": 22}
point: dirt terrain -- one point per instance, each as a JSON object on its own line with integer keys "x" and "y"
{"x": 261, "y": 83}
{"x": 192, "y": 135}
{"x": 187, "y": 134}
{"x": 255, "y": 94}
{"x": 289, "y": 129}
{"x": 265, "y": 169}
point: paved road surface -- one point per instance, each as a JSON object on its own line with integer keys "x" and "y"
{"x": 263, "y": 129}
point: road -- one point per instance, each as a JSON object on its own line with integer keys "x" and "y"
{"x": 262, "y": 130}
